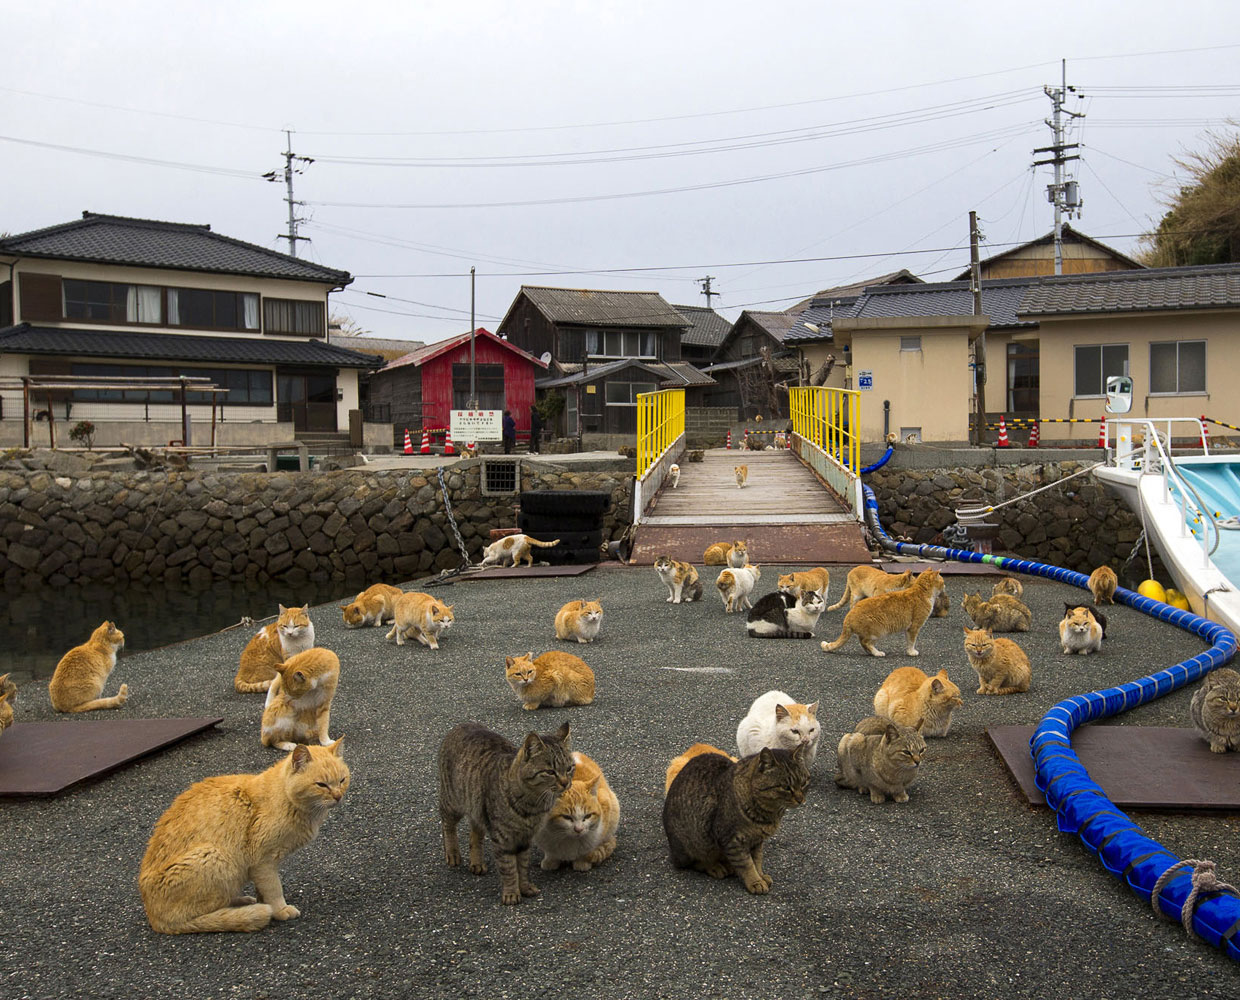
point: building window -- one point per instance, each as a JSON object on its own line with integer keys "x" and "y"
{"x": 207, "y": 309}
{"x": 488, "y": 383}
{"x": 293, "y": 316}
{"x": 246, "y": 387}
{"x": 1094, "y": 364}
{"x": 625, "y": 393}
{"x": 570, "y": 413}
{"x": 621, "y": 344}
{"x": 910, "y": 343}
{"x": 1178, "y": 367}
{"x": 112, "y": 302}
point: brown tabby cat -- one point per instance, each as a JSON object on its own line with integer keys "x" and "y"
{"x": 292, "y": 632}
{"x": 1002, "y": 613}
{"x": 742, "y": 475}
{"x": 818, "y": 579}
{"x": 717, "y": 814}
{"x": 373, "y": 606}
{"x": 898, "y": 611}
{"x": 683, "y": 583}
{"x": 514, "y": 549}
{"x": 299, "y": 701}
{"x": 880, "y": 757}
{"x": 674, "y": 768}
{"x": 870, "y": 581}
{"x": 581, "y": 827}
{"x": 908, "y": 695}
{"x": 942, "y": 605}
{"x": 82, "y": 672}
{"x": 555, "y": 679}
{"x": 1216, "y": 710}
{"x": 1002, "y": 666}
{"x": 579, "y": 620}
{"x": 8, "y": 694}
{"x": 422, "y": 617}
{"x": 1008, "y": 585}
{"x": 727, "y": 554}
{"x": 506, "y": 792}
{"x": 1079, "y": 632}
{"x": 224, "y": 832}
{"x": 1102, "y": 584}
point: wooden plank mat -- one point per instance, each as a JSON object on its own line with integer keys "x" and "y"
{"x": 778, "y": 544}
{"x": 505, "y": 572}
{"x": 1139, "y": 767}
{"x": 45, "y": 758}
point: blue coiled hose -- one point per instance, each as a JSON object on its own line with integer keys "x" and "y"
{"x": 1080, "y": 805}
{"x": 880, "y": 463}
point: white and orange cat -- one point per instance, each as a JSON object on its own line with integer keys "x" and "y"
{"x": 908, "y": 695}
{"x": 673, "y": 473}
{"x": 554, "y": 679}
{"x": 733, "y": 554}
{"x": 736, "y": 585}
{"x": 581, "y": 828}
{"x": 870, "y": 581}
{"x": 513, "y": 549}
{"x": 1079, "y": 632}
{"x": 375, "y": 606}
{"x": 225, "y": 832}
{"x": 83, "y": 671}
{"x": 898, "y": 611}
{"x": 291, "y": 633}
{"x": 299, "y": 702}
{"x": 579, "y": 621}
{"x": 742, "y": 475}
{"x": 775, "y": 720}
{"x": 683, "y": 583}
{"x": 817, "y": 579}
{"x": 420, "y": 616}
{"x": 678, "y": 763}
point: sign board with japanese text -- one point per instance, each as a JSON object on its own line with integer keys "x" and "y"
{"x": 865, "y": 379}
{"x": 477, "y": 425}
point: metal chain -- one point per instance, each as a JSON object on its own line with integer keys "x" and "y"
{"x": 447, "y": 506}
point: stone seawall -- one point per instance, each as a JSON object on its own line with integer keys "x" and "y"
{"x": 117, "y": 526}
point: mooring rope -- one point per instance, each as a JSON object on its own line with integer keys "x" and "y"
{"x": 1203, "y": 881}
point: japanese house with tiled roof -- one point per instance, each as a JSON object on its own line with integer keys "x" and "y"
{"x": 109, "y": 296}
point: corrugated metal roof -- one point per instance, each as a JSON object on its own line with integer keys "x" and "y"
{"x": 709, "y": 329}
{"x": 115, "y": 239}
{"x": 588, "y": 306}
{"x": 1210, "y": 287}
{"x": 671, "y": 376}
{"x": 1068, "y": 235}
{"x": 429, "y": 351}
{"x": 27, "y": 339}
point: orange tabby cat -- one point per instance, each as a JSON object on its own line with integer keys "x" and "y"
{"x": 818, "y": 579}
{"x": 677, "y": 763}
{"x": 1008, "y": 585}
{"x": 908, "y": 695}
{"x": 899, "y": 611}
{"x": 734, "y": 554}
{"x": 579, "y": 620}
{"x": 742, "y": 475}
{"x": 870, "y": 581}
{"x": 223, "y": 832}
{"x": 8, "y": 693}
{"x": 292, "y": 632}
{"x": 555, "y": 679}
{"x": 299, "y": 701}
{"x": 1002, "y": 666}
{"x": 581, "y": 827}
{"x": 422, "y": 617}
{"x": 82, "y": 672}
{"x": 373, "y": 606}
{"x": 1102, "y": 584}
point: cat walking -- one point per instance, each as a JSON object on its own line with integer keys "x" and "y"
{"x": 513, "y": 549}
{"x": 817, "y": 579}
{"x": 291, "y": 633}
{"x": 870, "y": 581}
{"x": 1102, "y": 584}
{"x": 897, "y": 611}
{"x": 373, "y": 606}
{"x": 81, "y": 674}
{"x": 683, "y": 583}
{"x": 735, "y": 585}
{"x": 224, "y": 832}
{"x": 742, "y": 475}
{"x": 420, "y": 616}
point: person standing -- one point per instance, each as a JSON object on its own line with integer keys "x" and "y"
{"x": 535, "y": 429}
{"x": 510, "y": 432}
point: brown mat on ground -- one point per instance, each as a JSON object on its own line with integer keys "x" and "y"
{"x": 949, "y": 568}
{"x": 44, "y": 758}
{"x": 1139, "y": 767}
{"x": 500, "y": 572}
{"x": 779, "y": 544}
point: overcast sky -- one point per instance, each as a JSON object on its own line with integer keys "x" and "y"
{"x": 780, "y": 147}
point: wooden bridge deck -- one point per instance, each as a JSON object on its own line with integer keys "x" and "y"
{"x": 784, "y": 513}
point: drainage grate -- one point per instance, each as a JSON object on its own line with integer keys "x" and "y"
{"x": 500, "y": 476}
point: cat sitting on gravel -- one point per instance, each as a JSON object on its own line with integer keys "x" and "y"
{"x": 681, "y": 578}
{"x": 782, "y": 616}
{"x": 579, "y": 621}
{"x": 83, "y": 671}
{"x": 880, "y": 757}
{"x": 1002, "y": 613}
{"x": 291, "y": 633}
{"x": 775, "y": 720}
{"x": 299, "y": 702}
{"x": 513, "y": 549}
{"x": 908, "y": 695}
{"x": 1079, "y": 632}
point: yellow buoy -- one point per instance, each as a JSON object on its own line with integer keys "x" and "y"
{"x": 1177, "y": 600}
{"x": 1153, "y": 590}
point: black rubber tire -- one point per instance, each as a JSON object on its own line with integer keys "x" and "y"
{"x": 564, "y": 557}
{"x": 552, "y": 525}
{"x": 565, "y": 502}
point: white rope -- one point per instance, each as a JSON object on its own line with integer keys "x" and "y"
{"x": 1203, "y": 880}
{"x": 979, "y": 511}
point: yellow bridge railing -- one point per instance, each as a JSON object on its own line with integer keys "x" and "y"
{"x": 831, "y": 420}
{"x": 660, "y": 422}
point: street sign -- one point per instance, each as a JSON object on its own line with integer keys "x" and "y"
{"x": 865, "y": 379}
{"x": 477, "y": 425}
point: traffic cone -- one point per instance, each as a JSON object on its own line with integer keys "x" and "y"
{"x": 1003, "y": 441}
{"x": 426, "y": 442}
{"x": 1034, "y": 439}
{"x": 408, "y": 443}
{"x": 728, "y": 446}
{"x": 447, "y": 443}
{"x": 1102, "y": 433}
{"x": 1205, "y": 432}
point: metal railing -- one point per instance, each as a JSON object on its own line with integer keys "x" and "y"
{"x": 830, "y": 420}
{"x": 660, "y": 424}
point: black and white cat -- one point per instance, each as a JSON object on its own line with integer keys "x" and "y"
{"x": 782, "y": 616}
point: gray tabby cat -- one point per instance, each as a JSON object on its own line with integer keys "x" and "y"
{"x": 1216, "y": 710}
{"x": 718, "y": 813}
{"x": 505, "y": 792}
{"x": 880, "y": 757}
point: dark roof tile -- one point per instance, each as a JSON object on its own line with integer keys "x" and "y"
{"x": 589, "y": 306}
{"x": 709, "y": 329}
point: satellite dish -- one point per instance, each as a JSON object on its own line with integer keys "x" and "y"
{"x": 546, "y": 357}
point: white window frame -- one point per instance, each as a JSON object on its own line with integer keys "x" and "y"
{"x": 1204, "y": 390}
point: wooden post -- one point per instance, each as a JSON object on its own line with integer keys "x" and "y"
{"x": 25, "y": 412}
{"x": 51, "y": 421}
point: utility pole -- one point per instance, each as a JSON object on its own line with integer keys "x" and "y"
{"x": 706, "y": 290}
{"x": 473, "y": 391}
{"x": 1064, "y": 195}
{"x": 290, "y": 158}
{"x": 979, "y": 345}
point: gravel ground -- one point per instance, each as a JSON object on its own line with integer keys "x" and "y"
{"x": 964, "y": 891}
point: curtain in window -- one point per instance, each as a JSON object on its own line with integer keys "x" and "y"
{"x": 174, "y": 307}
{"x": 250, "y": 302}
{"x": 142, "y": 304}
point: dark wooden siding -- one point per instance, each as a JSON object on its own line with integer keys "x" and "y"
{"x": 527, "y": 328}
{"x": 40, "y": 297}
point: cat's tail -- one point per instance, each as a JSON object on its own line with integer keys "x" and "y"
{"x": 116, "y": 701}
{"x": 254, "y": 917}
{"x": 845, "y": 634}
{"x": 843, "y": 600}
{"x": 251, "y": 687}
{"x": 782, "y": 633}
{"x": 542, "y": 545}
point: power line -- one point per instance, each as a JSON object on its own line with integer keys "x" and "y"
{"x": 149, "y": 161}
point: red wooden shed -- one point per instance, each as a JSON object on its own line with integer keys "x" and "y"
{"x": 424, "y": 386}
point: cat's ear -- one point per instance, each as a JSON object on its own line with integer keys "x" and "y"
{"x": 966, "y": 627}
{"x": 562, "y": 733}
{"x": 801, "y": 752}
{"x": 891, "y": 733}
{"x": 766, "y": 759}
{"x": 282, "y": 608}
{"x": 781, "y": 713}
{"x": 509, "y": 661}
{"x": 532, "y": 744}
{"x": 335, "y": 747}
{"x": 936, "y": 686}
{"x": 300, "y": 757}
{"x": 812, "y": 709}
{"x": 594, "y": 785}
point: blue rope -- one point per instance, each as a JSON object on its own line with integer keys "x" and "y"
{"x": 1080, "y": 805}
